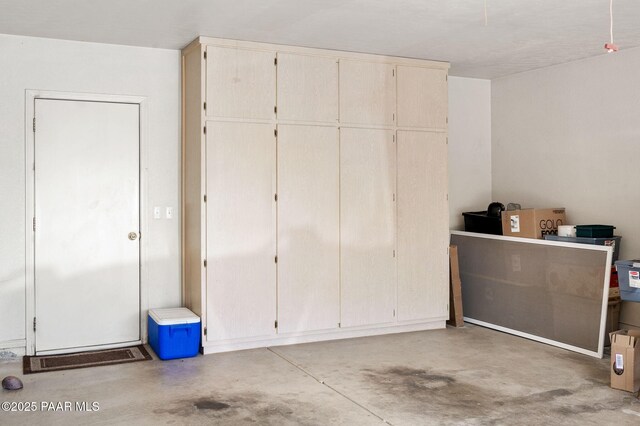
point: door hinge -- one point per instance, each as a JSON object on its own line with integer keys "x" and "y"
{"x": 275, "y": 132}
{"x": 446, "y": 77}
{"x": 339, "y": 325}
{"x": 394, "y": 253}
{"x": 447, "y": 120}
{"x": 205, "y": 106}
{"x": 34, "y": 323}
{"x": 275, "y": 109}
{"x": 205, "y": 331}
{"x": 393, "y": 116}
{"x": 205, "y": 198}
{"x": 275, "y": 323}
{"x": 275, "y": 197}
{"x": 275, "y": 259}
{"x": 394, "y": 138}
{"x": 205, "y": 54}
{"x": 447, "y": 196}
{"x": 34, "y": 124}
{"x": 275, "y": 61}
{"x": 393, "y": 72}
{"x": 34, "y": 224}
{"x": 205, "y": 263}
{"x": 394, "y": 312}
{"x": 204, "y": 129}
{"x": 394, "y": 197}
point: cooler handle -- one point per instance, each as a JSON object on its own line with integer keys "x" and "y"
{"x": 178, "y": 327}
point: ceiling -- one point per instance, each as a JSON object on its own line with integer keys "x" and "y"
{"x": 519, "y": 36}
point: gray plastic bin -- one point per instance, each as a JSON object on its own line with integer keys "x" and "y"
{"x": 609, "y": 241}
{"x": 629, "y": 279}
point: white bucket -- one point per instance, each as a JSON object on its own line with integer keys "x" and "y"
{"x": 566, "y": 231}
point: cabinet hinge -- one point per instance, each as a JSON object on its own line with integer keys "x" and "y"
{"x": 204, "y": 106}
{"x": 34, "y": 323}
{"x": 275, "y": 259}
{"x": 205, "y": 331}
{"x": 275, "y": 61}
{"x": 205, "y": 263}
{"x": 275, "y": 132}
{"x": 34, "y": 124}
{"x": 34, "y": 224}
{"x": 275, "y": 323}
{"x": 205, "y": 198}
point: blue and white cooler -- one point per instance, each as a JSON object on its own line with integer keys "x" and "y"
{"x": 174, "y": 333}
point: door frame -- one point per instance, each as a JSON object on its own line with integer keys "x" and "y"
{"x": 30, "y": 295}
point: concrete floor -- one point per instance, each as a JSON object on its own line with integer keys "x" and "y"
{"x": 471, "y": 376}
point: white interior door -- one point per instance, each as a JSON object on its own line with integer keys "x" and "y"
{"x": 87, "y": 264}
{"x": 367, "y": 226}
{"x": 308, "y": 228}
{"x": 241, "y": 230}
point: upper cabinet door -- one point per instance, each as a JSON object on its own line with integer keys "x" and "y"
{"x": 367, "y": 93}
{"x": 422, "y": 97}
{"x": 240, "y": 83}
{"x": 307, "y": 88}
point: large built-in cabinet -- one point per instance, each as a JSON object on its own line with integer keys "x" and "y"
{"x": 314, "y": 193}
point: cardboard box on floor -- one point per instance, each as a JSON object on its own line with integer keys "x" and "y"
{"x": 625, "y": 360}
{"x": 532, "y": 223}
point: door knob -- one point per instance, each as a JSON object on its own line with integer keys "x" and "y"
{"x": 133, "y": 236}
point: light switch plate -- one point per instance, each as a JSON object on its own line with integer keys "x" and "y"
{"x": 169, "y": 212}
{"x": 157, "y": 213}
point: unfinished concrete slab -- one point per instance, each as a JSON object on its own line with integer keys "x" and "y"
{"x": 471, "y": 376}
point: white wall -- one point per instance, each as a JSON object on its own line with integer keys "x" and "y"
{"x": 34, "y": 63}
{"x": 469, "y": 147}
{"x": 569, "y": 135}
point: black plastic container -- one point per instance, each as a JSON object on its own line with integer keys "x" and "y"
{"x": 595, "y": 231}
{"x": 483, "y": 223}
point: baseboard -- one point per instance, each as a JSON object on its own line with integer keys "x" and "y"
{"x": 292, "y": 339}
{"x": 12, "y": 348}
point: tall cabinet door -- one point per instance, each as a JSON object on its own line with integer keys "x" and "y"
{"x": 241, "y": 83}
{"x": 241, "y": 220}
{"x": 367, "y": 221}
{"x": 308, "y": 228}
{"x": 423, "y": 226}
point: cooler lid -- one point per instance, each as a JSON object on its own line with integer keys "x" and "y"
{"x": 172, "y": 316}
{"x": 628, "y": 263}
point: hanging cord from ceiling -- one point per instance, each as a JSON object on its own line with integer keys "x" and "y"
{"x": 610, "y": 47}
{"x": 486, "y": 18}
